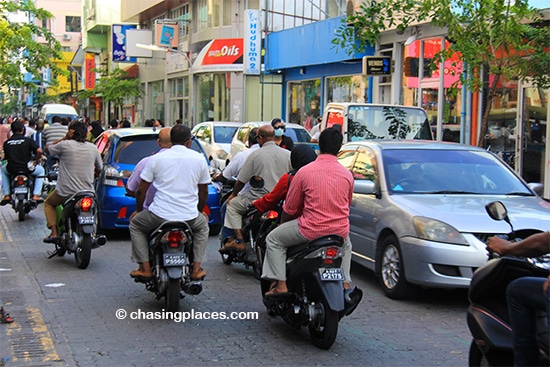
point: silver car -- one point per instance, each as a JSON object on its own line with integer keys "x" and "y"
{"x": 418, "y": 213}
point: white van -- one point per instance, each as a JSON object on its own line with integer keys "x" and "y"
{"x": 363, "y": 121}
{"x": 62, "y": 110}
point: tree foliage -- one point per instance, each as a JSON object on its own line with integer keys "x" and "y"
{"x": 114, "y": 87}
{"x": 19, "y": 52}
{"x": 502, "y": 39}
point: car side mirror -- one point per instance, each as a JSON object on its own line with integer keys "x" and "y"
{"x": 366, "y": 187}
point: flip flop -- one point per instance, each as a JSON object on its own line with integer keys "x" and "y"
{"x": 51, "y": 239}
{"x": 275, "y": 293}
{"x": 5, "y": 316}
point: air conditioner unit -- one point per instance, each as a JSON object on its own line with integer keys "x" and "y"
{"x": 67, "y": 37}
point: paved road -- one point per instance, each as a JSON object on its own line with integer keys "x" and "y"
{"x": 66, "y": 316}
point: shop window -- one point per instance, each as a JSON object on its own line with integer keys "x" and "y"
{"x": 304, "y": 102}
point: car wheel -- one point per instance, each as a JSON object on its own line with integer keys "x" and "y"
{"x": 214, "y": 229}
{"x": 391, "y": 270}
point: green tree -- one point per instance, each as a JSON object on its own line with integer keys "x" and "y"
{"x": 19, "y": 52}
{"x": 503, "y": 39}
{"x": 114, "y": 87}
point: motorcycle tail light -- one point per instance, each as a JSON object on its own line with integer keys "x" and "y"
{"x": 174, "y": 238}
{"x": 20, "y": 180}
{"x": 272, "y": 214}
{"x": 85, "y": 204}
{"x": 327, "y": 254}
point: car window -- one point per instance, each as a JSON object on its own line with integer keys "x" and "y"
{"x": 298, "y": 135}
{"x": 224, "y": 134}
{"x": 449, "y": 171}
{"x": 387, "y": 122}
{"x": 131, "y": 151}
{"x": 364, "y": 167}
{"x": 242, "y": 134}
{"x": 345, "y": 157}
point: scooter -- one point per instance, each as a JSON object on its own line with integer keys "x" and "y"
{"x": 171, "y": 258}
{"x": 487, "y": 316}
{"x": 76, "y": 228}
{"x": 316, "y": 296}
{"x": 22, "y": 186}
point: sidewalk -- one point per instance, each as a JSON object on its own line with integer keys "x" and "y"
{"x": 30, "y": 340}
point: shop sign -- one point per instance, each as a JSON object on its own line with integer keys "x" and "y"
{"x": 376, "y": 66}
{"x": 90, "y": 72}
{"x": 252, "y": 43}
{"x": 119, "y": 42}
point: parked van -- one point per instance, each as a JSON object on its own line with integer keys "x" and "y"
{"x": 62, "y": 110}
{"x": 364, "y": 121}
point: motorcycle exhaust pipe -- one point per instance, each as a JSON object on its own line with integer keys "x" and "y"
{"x": 99, "y": 240}
{"x": 193, "y": 287}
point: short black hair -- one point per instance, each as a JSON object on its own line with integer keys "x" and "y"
{"x": 17, "y": 127}
{"x": 330, "y": 141}
{"x": 80, "y": 130}
{"x": 275, "y": 121}
{"x": 179, "y": 134}
{"x": 253, "y": 136}
{"x": 56, "y": 119}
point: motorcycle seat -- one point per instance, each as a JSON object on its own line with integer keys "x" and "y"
{"x": 170, "y": 224}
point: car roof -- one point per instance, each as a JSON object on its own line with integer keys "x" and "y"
{"x": 220, "y": 123}
{"x": 409, "y": 144}
{"x": 347, "y": 104}
{"x": 260, "y": 123}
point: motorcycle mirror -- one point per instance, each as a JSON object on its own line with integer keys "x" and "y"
{"x": 498, "y": 211}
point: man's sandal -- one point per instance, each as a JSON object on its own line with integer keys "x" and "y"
{"x": 5, "y": 316}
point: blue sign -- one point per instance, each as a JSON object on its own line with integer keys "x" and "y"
{"x": 119, "y": 42}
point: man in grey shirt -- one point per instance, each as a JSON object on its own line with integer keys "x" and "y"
{"x": 269, "y": 163}
{"x": 78, "y": 161}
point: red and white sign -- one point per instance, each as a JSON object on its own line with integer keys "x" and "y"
{"x": 90, "y": 72}
{"x": 220, "y": 55}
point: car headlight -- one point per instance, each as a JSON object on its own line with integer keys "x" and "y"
{"x": 437, "y": 231}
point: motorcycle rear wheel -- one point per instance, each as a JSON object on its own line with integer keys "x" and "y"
{"x": 83, "y": 253}
{"x": 172, "y": 298}
{"x": 20, "y": 209}
{"x": 323, "y": 333}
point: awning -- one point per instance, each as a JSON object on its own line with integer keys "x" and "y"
{"x": 132, "y": 72}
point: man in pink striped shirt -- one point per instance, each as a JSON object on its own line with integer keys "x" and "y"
{"x": 317, "y": 204}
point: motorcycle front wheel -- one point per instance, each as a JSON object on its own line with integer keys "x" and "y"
{"x": 83, "y": 252}
{"x": 324, "y": 330}
{"x": 172, "y": 298}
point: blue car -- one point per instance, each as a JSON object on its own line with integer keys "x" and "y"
{"x": 121, "y": 150}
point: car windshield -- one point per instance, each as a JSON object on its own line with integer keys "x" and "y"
{"x": 224, "y": 134}
{"x": 298, "y": 135}
{"x": 132, "y": 149}
{"x": 449, "y": 172}
{"x": 383, "y": 122}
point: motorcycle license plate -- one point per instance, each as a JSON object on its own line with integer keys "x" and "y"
{"x": 86, "y": 220}
{"x": 175, "y": 260}
{"x": 20, "y": 190}
{"x": 328, "y": 274}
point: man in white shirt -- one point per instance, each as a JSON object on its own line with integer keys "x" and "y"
{"x": 231, "y": 171}
{"x": 181, "y": 177}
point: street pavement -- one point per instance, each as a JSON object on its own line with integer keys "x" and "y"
{"x": 65, "y": 316}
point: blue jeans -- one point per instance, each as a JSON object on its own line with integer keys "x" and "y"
{"x": 38, "y": 171}
{"x": 525, "y": 297}
{"x": 226, "y": 232}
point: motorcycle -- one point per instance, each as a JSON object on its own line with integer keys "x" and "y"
{"x": 22, "y": 186}
{"x": 487, "y": 317}
{"x": 76, "y": 226}
{"x": 171, "y": 258}
{"x": 316, "y": 297}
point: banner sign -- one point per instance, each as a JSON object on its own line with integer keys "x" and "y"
{"x": 90, "y": 72}
{"x": 166, "y": 34}
{"x": 119, "y": 42}
{"x": 252, "y": 43}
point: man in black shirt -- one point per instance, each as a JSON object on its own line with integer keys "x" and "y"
{"x": 18, "y": 152}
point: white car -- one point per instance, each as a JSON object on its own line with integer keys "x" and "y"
{"x": 215, "y": 137}
{"x": 296, "y": 132}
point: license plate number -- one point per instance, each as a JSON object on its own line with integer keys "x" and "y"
{"x": 86, "y": 220}
{"x": 20, "y": 190}
{"x": 175, "y": 260}
{"x": 328, "y": 274}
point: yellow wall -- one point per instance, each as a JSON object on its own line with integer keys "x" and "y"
{"x": 64, "y": 83}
